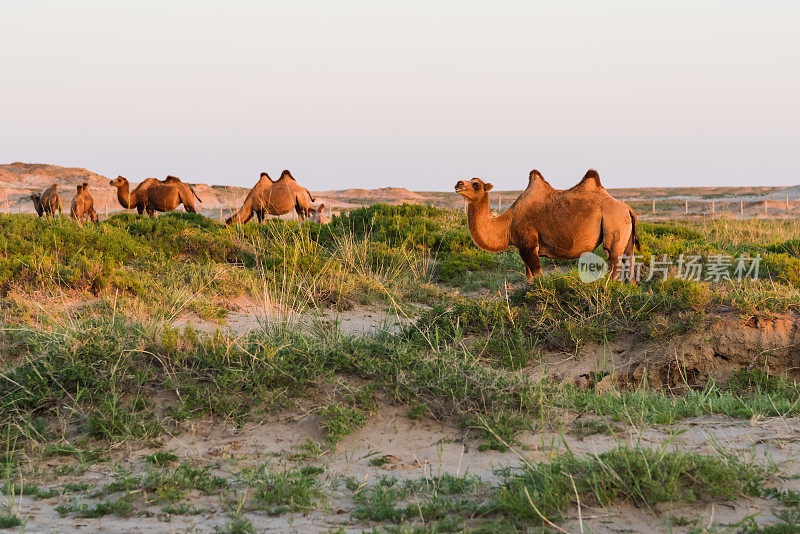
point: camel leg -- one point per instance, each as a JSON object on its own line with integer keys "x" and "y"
{"x": 616, "y": 255}
{"x": 151, "y": 212}
{"x": 532, "y": 262}
{"x": 260, "y": 216}
{"x": 620, "y": 248}
{"x": 631, "y": 259}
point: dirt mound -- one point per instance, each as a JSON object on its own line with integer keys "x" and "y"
{"x": 731, "y": 343}
{"x": 713, "y": 351}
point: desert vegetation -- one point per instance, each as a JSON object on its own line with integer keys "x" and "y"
{"x": 132, "y": 388}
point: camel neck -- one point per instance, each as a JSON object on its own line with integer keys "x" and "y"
{"x": 124, "y": 196}
{"x": 489, "y": 233}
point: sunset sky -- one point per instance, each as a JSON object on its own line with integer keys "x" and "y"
{"x": 415, "y": 94}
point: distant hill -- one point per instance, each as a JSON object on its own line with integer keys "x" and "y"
{"x": 18, "y": 180}
{"x": 38, "y": 175}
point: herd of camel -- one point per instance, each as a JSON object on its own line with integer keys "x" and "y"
{"x": 268, "y": 196}
{"x": 542, "y": 221}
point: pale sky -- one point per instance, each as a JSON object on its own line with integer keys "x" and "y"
{"x": 416, "y": 94}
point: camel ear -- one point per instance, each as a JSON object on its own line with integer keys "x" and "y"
{"x": 487, "y": 187}
{"x": 321, "y": 207}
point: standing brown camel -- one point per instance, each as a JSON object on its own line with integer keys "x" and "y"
{"x": 276, "y": 197}
{"x": 154, "y": 195}
{"x": 48, "y": 202}
{"x": 554, "y": 223}
{"x": 83, "y": 205}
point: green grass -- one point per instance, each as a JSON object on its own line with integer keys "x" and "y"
{"x": 339, "y": 420}
{"x": 161, "y": 457}
{"x": 9, "y": 521}
{"x": 237, "y": 525}
{"x": 121, "y": 507}
{"x": 291, "y": 490}
{"x": 101, "y": 367}
{"x": 788, "y": 523}
{"x": 550, "y": 490}
{"x": 434, "y": 499}
{"x": 181, "y": 508}
{"x": 78, "y": 381}
{"x": 643, "y": 477}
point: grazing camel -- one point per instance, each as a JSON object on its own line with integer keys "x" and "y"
{"x": 83, "y": 205}
{"x": 274, "y": 197}
{"x": 48, "y": 202}
{"x": 554, "y": 223}
{"x": 37, "y": 203}
{"x": 317, "y": 215}
{"x": 154, "y": 195}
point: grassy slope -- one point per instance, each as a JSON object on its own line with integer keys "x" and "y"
{"x": 101, "y": 360}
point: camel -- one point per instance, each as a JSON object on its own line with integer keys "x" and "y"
{"x": 83, "y": 205}
{"x": 155, "y": 195}
{"x": 554, "y": 223}
{"x": 317, "y": 215}
{"x": 276, "y": 197}
{"x": 48, "y": 202}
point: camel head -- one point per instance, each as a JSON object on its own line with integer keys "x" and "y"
{"x": 314, "y": 213}
{"x": 119, "y": 181}
{"x": 474, "y": 190}
{"x": 317, "y": 215}
{"x": 80, "y": 188}
{"x": 37, "y": 203}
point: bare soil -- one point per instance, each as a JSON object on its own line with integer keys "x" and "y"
{"x": 711, "y": 352}
{"x": 415, "y": 449}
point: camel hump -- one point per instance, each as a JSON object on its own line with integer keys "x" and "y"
{"x": 171, "y": 179}
{"x": 287, "y": 174}
{"x": 590, "y": 181}
{"x": 536, "y": 176}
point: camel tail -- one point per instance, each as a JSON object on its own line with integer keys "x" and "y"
{"x": 309, "y": 195}
{"x": 634, "y": 234}
{"x": 195, "y": 194}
